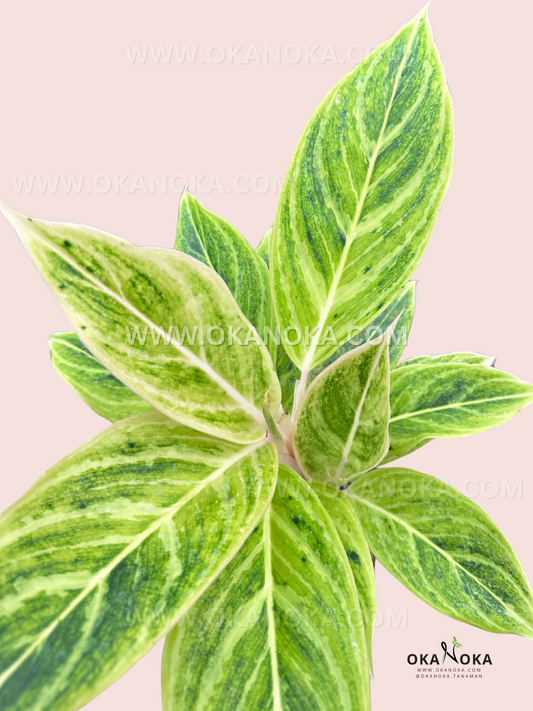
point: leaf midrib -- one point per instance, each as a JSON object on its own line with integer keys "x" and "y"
{"x": 198, "y": 362}
{"x": 357, "y": 416}
{"x": 451, "y": 406}
{"x": 308, "y": 362}
{"x": 138, "y": 540}
{"x": 415, "y": 533}
{"x": 269, "y": 588}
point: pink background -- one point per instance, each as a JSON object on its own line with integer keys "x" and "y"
{"x": 73, "y": 103}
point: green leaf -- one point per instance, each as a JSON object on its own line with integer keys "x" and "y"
{"x": 450, "y": 400}
{"x": 362, "y": 194}
{"x": 281, "y": 627}
{"x": 111, "y": 546}
{"x": 263, "y": 248}
{"x": 342, "y": 513}
{"x": 341, "y": 427}
{"x": 123, "y": 302}
{"x": 215, "y": 242}
{"x": 402, "y": 308}
{"x": 394, "y": 454}
{"x": 444, "y": 548}
{"x": 96, "y": 386}
{"x": 467, "y": 357}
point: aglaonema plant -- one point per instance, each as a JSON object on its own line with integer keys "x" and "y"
{"x": 237, "y": 499}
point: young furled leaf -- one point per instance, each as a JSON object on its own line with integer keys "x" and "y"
{"x": 136, "y": 523}
{"x": 281, "y": 627}
{"x": 362, "y": 194}
{"x": 215, "y": 242}
{"x": 104, "y": 394}
{"x": 341, "y": 427}
{"x": 160, "y": 321}
{"x": 444, "y": 548}
{"x": 450, "y": 400}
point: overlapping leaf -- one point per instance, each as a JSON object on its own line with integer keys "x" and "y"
{"x": 450, "y": 400}
{"x": 362, "y": 194}
{"x": 281, "y": 627}
{"x": 342, "y": 513}
{"x": 444, "y": 548}
{"x": 401, "y": 309}
{"x": 111, "y": 546}
{"x": 263, "y": 248}
{"x": 341, "y": 427}
{"x": 162, "y": 323}
{"x": 467, "y": 357}
{"x": 99, "y": 388}
{"x": 215, "y": 242}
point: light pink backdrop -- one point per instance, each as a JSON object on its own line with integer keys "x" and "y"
{"x": 74, "y": 103}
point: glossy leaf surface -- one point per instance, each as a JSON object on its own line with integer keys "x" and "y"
{"x": 280, "y": 628}
{"x": 160, "y": 321}
{"x": 111, "y": 546}
{"x": 450, "y": 400}
{"x": 362, "y": 194}
{"x": 99, "y": 388}
{"x": 444, "y": 548}
{"x": 341, "y": 427}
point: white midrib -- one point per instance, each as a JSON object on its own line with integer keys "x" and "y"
{"x": 445, "y": 554}
{"x": 357, "y": 417}
{"x": 198, "y": 362}
{"x": 308, "y": 362}
{"x": 269, "y": 587}
{"x": 455, "y": 405}
{"x": 138, "y": 540}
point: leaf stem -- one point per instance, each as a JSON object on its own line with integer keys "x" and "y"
{"x": 299, "y": 391}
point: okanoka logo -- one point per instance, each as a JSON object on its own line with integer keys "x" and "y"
{"x": 448, "y": 654}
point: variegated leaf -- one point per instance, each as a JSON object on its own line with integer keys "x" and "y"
{"x": 281, "y": 627}
{"x": 402, "y": 308}
{"x": 161, "y": 322}
{"x": 342, "y": 513}
{"x": 341, "y": 427}
{"x": 111, "y": 546}
{"x": 215, "y": 242}
{"x": 263, "y": 248}
{"x": 467, "y": 357}
{"x": 444, "y": 548}
{"x": 362, "y": 194}
{"x": 450, "y": 400}
{"x": 104, "y": 394}
{"x": 394, "y": 454}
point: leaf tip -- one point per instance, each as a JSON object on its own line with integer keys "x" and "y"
{"x": 16, "y": 219}
{"x": 424, "y": 12}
